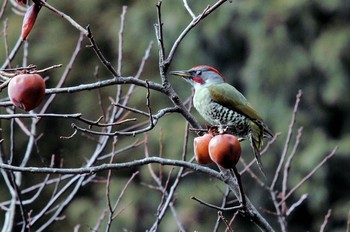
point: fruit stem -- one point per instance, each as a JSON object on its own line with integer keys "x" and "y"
{"x": 235, "y": 172}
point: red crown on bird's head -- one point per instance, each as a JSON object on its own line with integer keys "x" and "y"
{"x": 207, "y": 68}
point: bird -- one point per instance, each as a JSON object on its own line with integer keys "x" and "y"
{"x": 222, "y": 105}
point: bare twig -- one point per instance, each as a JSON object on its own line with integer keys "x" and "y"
{"x": 65, "y": 74}
{"x": 105, "y": 83}
{"x": 169, "y": 195}
{"x": 115, "y": 166}
{"x": 120, "y": 44}
{"x": 19, "y": 197}
{"x": 6, "y": 43}
{"x": 112, "y": 216}
{"x": 108, "y": 184}
{"x": 132, "y": 109}
{"x": 287, "y": 167}
{"x": 100, "y": 55}
{"x": 4, "y": 84}
{"x": 325, "y": 221}
{"x": 223, "y": 204}
{"x": 282, "y": 212}
{"x": 207, "y": 11}
{"x": 289, "y": 136}
{"x": 63, "y": 15}
{"x": 100, "y": 220}
{"x": 250, "y": 171}
{"x": 159, "y": 35}
{"x": 330, "y": 155}
{"x": 348, "y": 223}
{"x": 145, "y": 57}
{"x": 19, "y": 9}
{"x": 281, "y": 218}
{"x": 13, "y": 53}
{"x": 47, "y": 69}
{"x": 231, "y": 221}
{"x": 250, "y": 210}
{"x": 3, "y": 7}
{"x": 296, "y": 204}
{"x": 150, "y": 126}
{"x": 242, "y": 199}
{"x": 77, "y": 116}
{"x": 11, "y": 72}
{"x": 189, "y": 9}
{"x": 238, "y": 207}
{"x": 227, "y": 223}
{"x": 148, "y": 104}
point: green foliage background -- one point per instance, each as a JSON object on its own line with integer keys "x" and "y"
{"x": 267, "y": 49}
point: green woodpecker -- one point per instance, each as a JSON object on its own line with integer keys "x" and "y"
{"x": 222, "y": 105}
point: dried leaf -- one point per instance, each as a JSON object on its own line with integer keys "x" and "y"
{"x": 29, "y": 19}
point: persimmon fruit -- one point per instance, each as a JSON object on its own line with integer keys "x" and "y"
{"x": 201, "y": 151}
{"x": 225, "y": 150}
{"x": 26, "y": 91}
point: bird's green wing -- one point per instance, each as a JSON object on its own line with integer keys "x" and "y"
{"x": 230, "y": 97}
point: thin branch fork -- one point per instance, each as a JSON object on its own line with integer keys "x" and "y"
{"x": 77, "y": 116}
{"x": 288, "y": 139}
{"x": 311, "y": 173}
{"x": 168, "y": 196}
{"x": 99, "y": 54}
{"x": 63, "y": 15}
{"x": 150, "y": 126}
{"x": 207, "y": 11}
{"x": 32, "y": 69}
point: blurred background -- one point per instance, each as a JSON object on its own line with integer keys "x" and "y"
{"x": 267, "y": 49}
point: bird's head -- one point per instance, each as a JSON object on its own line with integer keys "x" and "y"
{"x": 201, "y": 76}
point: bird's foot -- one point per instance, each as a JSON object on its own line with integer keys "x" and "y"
{"x": 222, "y": 129}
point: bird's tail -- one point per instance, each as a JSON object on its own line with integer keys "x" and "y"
{"x": 258, "y": 131}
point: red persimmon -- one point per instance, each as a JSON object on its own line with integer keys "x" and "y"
{"x": 201, "y": 151}
{"x": 225, "y": 150}
{"x": 26, "y": 91}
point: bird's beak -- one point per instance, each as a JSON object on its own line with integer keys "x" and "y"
{"x": 183, "y": 73}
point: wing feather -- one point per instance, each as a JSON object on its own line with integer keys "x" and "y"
{"x": 230, "y": 97}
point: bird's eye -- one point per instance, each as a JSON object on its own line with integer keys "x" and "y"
{"x": 195, "y": 73}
